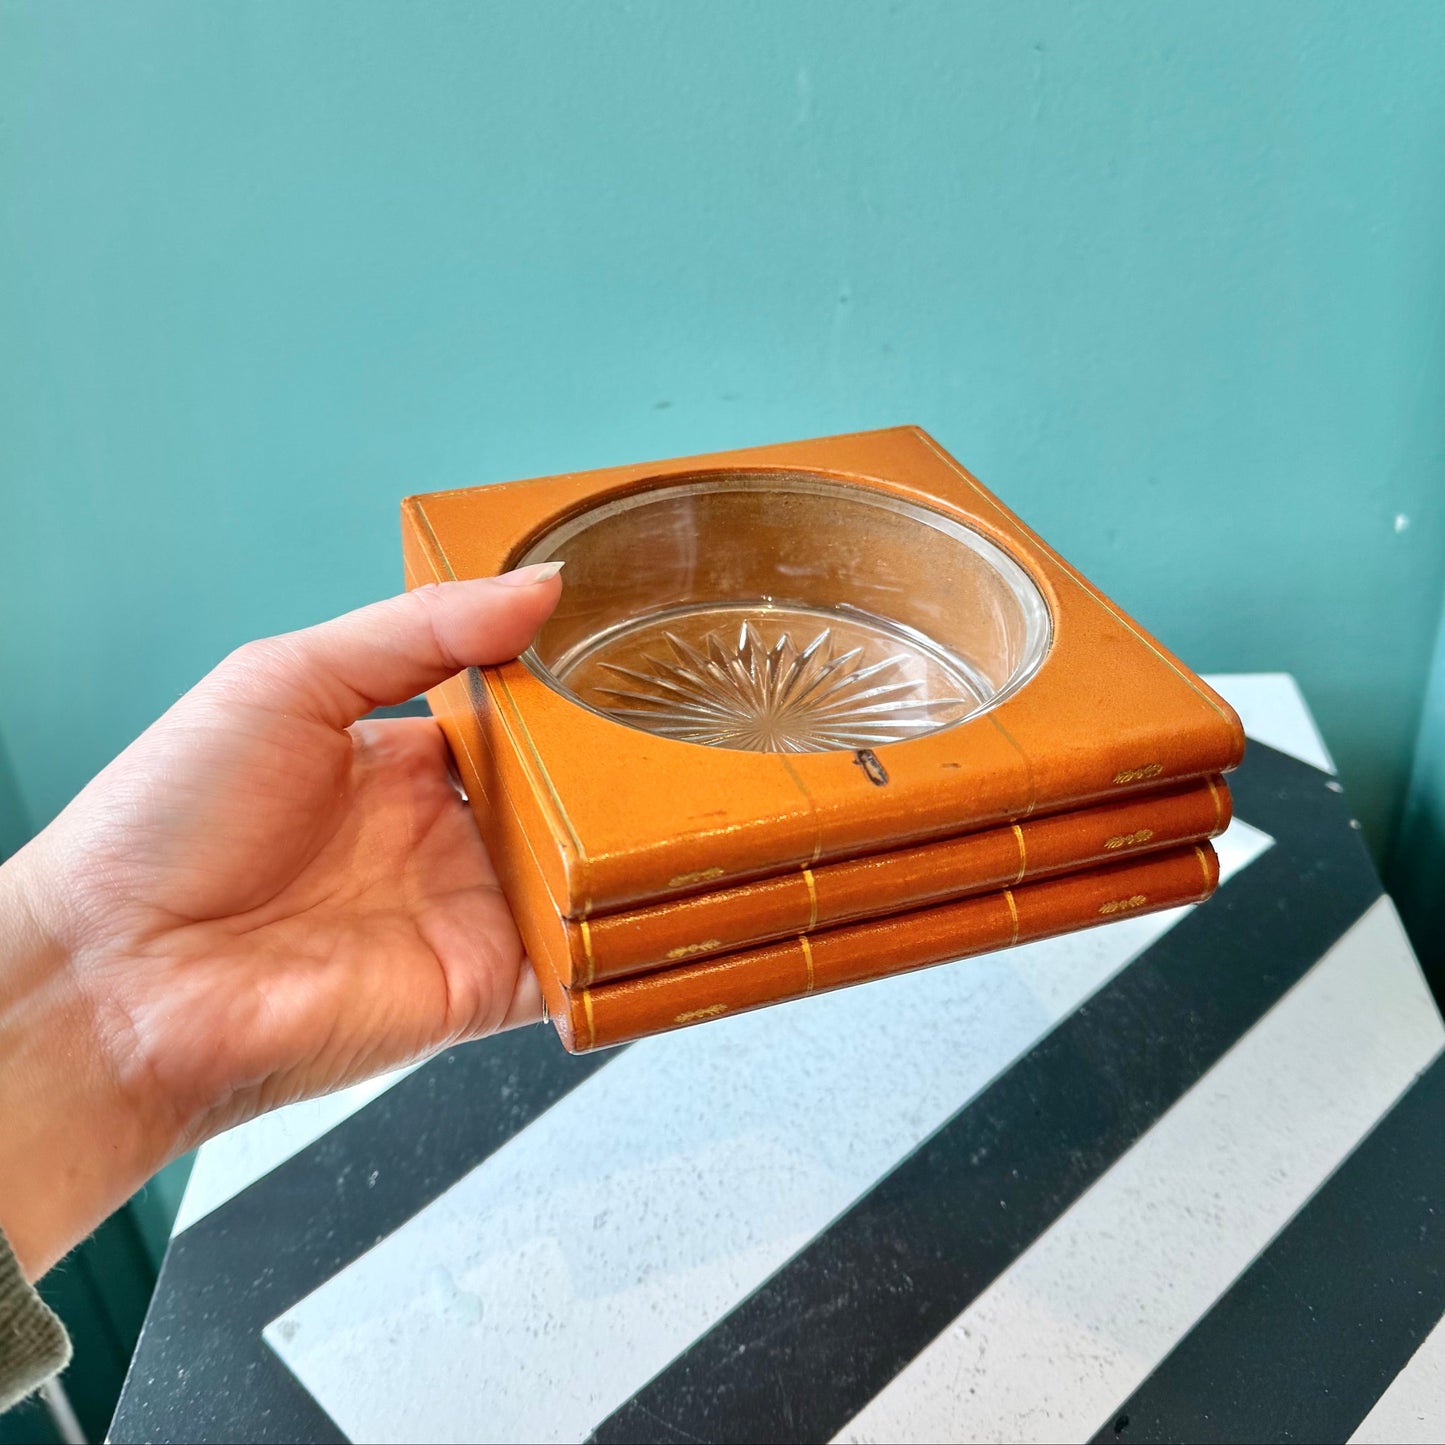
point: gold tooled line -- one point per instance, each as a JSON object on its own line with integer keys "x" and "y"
{"x": 587, "y": 1009}
{"x": 1008, "y": 897}
{"x": 1204, "y": 868}
{"x": 1024, "y": 758}
{"x": 587, "y": 951}
{"x": 1075, "y": 579}
{"x": 808, "y": 959}
{"x": 436, "y": 547}
{"x": 1218, "y": 803}
{"x": 472, "y": 764}
{"x": 802, "y": 787}
{"x": 1023, "y": 853}
{"x": 546, "y": 777}
{"x": 812, "y": 898}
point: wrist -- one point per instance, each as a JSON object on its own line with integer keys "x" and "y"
{"x": 76, "y": 1140}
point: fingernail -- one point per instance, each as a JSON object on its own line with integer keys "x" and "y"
{"x": 529, "y": 576}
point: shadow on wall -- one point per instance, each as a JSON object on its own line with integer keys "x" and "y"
{"x": 14, "y": 824}
{"x": 1417, "y": 883}
{"x": 1416, "y": 875}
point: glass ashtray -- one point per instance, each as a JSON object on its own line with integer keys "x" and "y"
{"x": 783, "y": 612}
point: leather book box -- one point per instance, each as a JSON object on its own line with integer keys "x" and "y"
{"x": 803, "y": 901}
{"x": 669, "y": 998}
{"x": 797, "y": 691}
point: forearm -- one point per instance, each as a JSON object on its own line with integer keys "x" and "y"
{"x": 73, "y": 1143}
{"x": 257, "y": 901}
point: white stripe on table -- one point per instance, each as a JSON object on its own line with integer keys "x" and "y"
{"x": 1412, "y": 1410}
{"x": 560, "y": 1275}
{"x": 1269, "y": 704}
{"x": 235, "y": 1160}
{"x": 1273, "y": 711}
{"x": 1076, "y": 1323}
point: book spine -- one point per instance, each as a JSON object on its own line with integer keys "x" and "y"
{"x": 612, "y": 946}
{"x": 614, "y": 1013}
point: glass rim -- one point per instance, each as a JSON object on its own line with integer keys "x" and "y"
{"x": 1020, "y": 581}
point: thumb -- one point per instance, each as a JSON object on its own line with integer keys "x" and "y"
{"x": 388, "y": 652}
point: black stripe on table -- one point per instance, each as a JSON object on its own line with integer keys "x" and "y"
{"x": 821, "y": 1337}
{"x": 1310, "y": 1336}
{"x": 201, "y": 1369}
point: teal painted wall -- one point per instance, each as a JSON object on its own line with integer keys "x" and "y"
{"x": 1169, "y": 277}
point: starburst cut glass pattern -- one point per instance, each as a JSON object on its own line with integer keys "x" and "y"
{"x": 783, "y": 612}
{"x": 738, "y": 688}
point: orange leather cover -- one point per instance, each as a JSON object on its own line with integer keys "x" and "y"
{"x": 613, "y": 1013}
{"x": 608, "y": 817}
{"x": 614, "y": 945}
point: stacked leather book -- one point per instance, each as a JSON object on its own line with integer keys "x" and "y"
{"x": 806, "y": 716}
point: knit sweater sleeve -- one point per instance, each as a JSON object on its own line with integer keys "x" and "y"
{"x": 33, "y": 1342}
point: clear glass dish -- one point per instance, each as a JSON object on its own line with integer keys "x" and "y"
{"x": 784, "y": 612}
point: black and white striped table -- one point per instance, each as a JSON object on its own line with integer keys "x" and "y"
{"x": 1180, "y": 1178}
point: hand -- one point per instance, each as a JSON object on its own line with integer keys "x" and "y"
{"x": 262, "y": 899}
